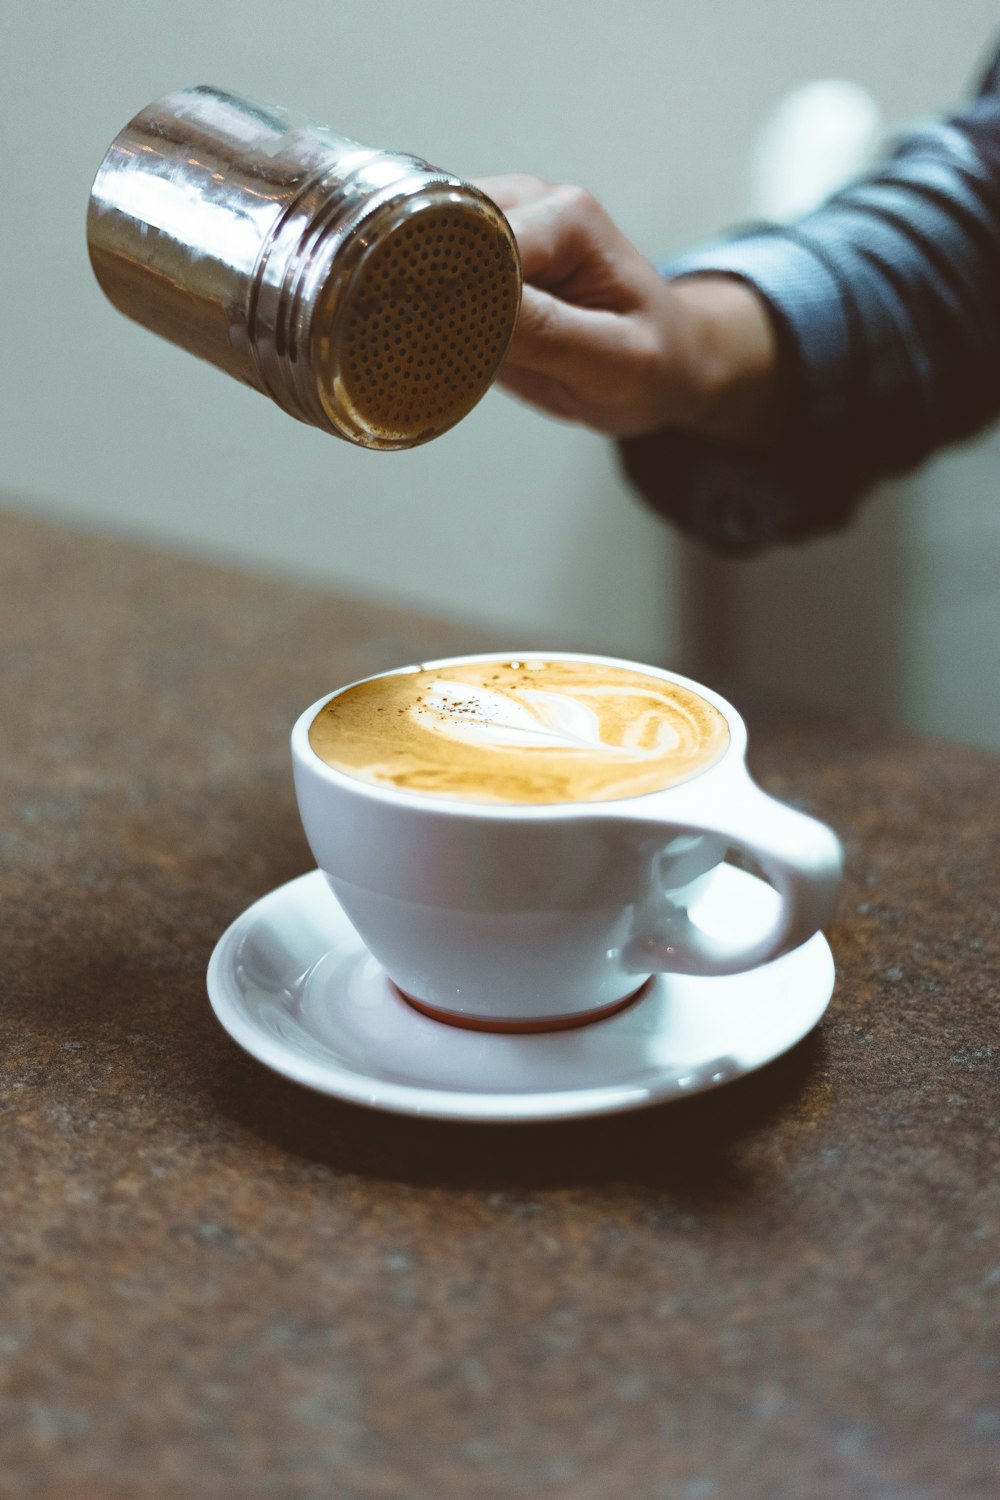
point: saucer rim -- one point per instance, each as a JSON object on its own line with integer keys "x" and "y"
{"x": 337, "y": 1081}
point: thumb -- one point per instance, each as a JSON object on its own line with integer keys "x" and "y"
{"x": 557, "y": 339}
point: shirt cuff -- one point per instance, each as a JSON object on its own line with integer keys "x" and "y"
{"x": 739, "y": 501}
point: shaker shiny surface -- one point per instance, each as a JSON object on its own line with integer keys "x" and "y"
{"x": 364, "y": 291}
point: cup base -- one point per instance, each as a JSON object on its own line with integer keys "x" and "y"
{"x": 522, "y": 1027}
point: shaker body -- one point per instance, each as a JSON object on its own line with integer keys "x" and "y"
{"x": 365, "y": 292}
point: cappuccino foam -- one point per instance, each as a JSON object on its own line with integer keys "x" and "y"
{"x": 520, "y": 730}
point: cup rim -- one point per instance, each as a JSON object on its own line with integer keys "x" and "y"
{"x": 443, "y": 805}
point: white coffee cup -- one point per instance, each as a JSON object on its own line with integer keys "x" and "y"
{"x": 519, "y": 916}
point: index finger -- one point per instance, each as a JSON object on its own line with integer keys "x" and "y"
{"x": 512, "y": 189}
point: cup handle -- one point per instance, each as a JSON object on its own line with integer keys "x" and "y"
{"x": 802, "y": 858}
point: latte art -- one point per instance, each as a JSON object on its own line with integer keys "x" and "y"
{"x": 532, "y": 730}
{"x": 545, "y": 717}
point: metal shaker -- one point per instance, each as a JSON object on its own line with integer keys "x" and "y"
{"x": 364, "y": 291}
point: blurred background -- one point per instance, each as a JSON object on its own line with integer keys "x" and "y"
{"x": 676, "y": 117}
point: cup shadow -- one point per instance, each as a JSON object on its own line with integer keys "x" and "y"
{"x": 689, "y": 1146}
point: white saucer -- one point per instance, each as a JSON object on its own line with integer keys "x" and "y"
{"x": 293, "y": 984}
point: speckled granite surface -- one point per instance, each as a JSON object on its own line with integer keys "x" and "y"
{"x": 213, "y": 1283}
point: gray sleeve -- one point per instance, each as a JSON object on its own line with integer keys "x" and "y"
{"x": 886, "y": 302}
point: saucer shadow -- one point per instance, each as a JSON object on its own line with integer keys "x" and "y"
{"x": 685, "y": 1145}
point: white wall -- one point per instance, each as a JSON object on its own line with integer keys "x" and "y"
{"x": 509, "y": 519}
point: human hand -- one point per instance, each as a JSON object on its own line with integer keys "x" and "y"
{"x": 603, "y": 339}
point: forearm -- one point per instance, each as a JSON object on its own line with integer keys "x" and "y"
{"x": 761, "y": 385}
{"x": 885, "y": 308}
{"x": 885, "y": 302}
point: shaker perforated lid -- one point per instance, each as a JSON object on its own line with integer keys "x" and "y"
{"x": 364, "y": 291}
{"x": 410, "y": 331}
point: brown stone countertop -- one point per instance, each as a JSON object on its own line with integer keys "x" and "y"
{"x": 216, "y": 1284}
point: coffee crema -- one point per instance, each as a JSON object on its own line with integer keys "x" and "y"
{"x": 520, "y": 730}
